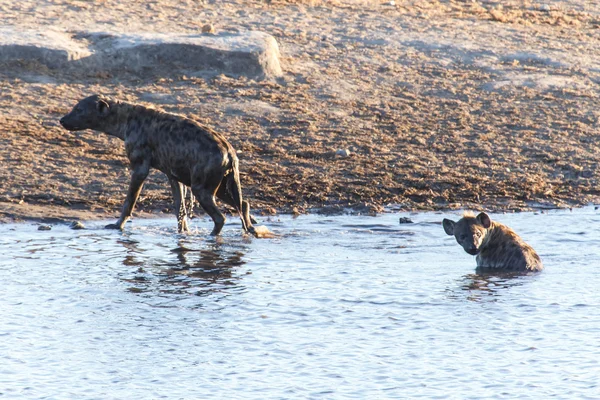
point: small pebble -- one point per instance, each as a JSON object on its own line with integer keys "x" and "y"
{"x": 405, "y": 220}
{"x": 208, "y": 28}
{"x": 76, "y": 225}
{"x": 343, "y": 153}
{"x": 44, "y": 228}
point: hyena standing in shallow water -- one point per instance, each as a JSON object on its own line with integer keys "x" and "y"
{"x": 188, "y": 153}
{"x": 496, "y": 245}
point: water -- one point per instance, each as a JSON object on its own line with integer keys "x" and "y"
{"x": 336, "y": 307}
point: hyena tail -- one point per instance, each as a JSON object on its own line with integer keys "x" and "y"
{"x": 235, "y": 191}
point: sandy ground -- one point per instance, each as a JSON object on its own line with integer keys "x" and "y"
{"x": 435, "y": 105}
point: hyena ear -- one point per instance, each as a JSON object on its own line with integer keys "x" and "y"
{"x": 448, "y": 226}
{"x": 102, "y": 107}
{"x": 484, "y": 220}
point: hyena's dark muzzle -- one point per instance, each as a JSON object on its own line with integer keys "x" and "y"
{"x": 68, "y": 124}
{"x": 472, "y": 250}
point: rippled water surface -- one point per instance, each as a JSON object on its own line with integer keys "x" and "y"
{"x": 335, "y": 307}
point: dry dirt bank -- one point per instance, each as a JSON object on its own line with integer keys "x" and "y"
{"x": 440, "y": 104}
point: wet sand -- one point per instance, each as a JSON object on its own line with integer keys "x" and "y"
{"x": 423, "y": 105}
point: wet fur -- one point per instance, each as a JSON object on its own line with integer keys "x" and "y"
{"x": 188, "y": 153}
{"x": 496, "y": 245}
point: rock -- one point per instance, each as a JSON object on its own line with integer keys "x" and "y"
{"x": 44, "y": 228}
{"x": 367, "y": 209}
{"x": 262, "y": 231}
{"x": 343, "y": 153}
{"x": 405, "y": 220}
{"x": 331, "y": 210}
{"x": 269, "y": 211}
{"x": 208, "y": 28}
{"x": 76, "y": 225}
{"x": 253, "y": 54}
{"x": 50, "y": 48}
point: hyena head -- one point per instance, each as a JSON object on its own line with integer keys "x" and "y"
{"x": 90, "y": 113}
{"x": 469, "y": 231}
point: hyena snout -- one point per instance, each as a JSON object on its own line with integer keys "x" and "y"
{"x": 76, "y": 122}
{"x": 68, "y": 123}
{"x": 471, "y": 243}
{"x": 471, "y": 249}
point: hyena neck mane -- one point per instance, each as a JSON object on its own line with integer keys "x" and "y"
{"x": 497, "y": 232}
{"x": 115, "y": 123}
{"x": 123, "y": 115}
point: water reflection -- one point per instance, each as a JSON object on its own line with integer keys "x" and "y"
{"x": 489, "y": 286}
{"x": 185, "y": 269}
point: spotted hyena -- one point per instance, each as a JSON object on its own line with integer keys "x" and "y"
{"x": 188, "y": 153}
{"x": 495, "y": 245}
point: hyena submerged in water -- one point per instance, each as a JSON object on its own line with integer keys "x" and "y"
{"x": 187, "y": 152}
{"x": 496, "y": 246}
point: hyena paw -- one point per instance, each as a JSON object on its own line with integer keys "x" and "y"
{"x": 113, "y": 226}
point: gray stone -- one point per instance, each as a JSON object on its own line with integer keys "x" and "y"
{"x": 53, "y": 49}
{"x": 544, "y": 7}
{"x": 76, "y": 225}
{"x": 253, "y": 54}
{"x": 208, "y": 28}
{"x": 44, "y": 228}
{"x": 343, "y": 153}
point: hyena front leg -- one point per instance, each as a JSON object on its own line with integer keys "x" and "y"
{"x": 138, "y": 175}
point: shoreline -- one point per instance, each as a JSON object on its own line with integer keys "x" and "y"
{"x": 11, "y": 213}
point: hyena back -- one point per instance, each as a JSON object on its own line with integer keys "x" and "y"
{"x": 495, "y": 245}
{"x": 187, "y": 152}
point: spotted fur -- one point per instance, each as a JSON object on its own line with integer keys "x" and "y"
{"x": 188, "y": 153}
{"x": 496, "y": 246}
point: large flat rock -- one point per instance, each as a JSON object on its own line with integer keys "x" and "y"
{"x": 253, "y": 54}
{"x": 53, "y": 49}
